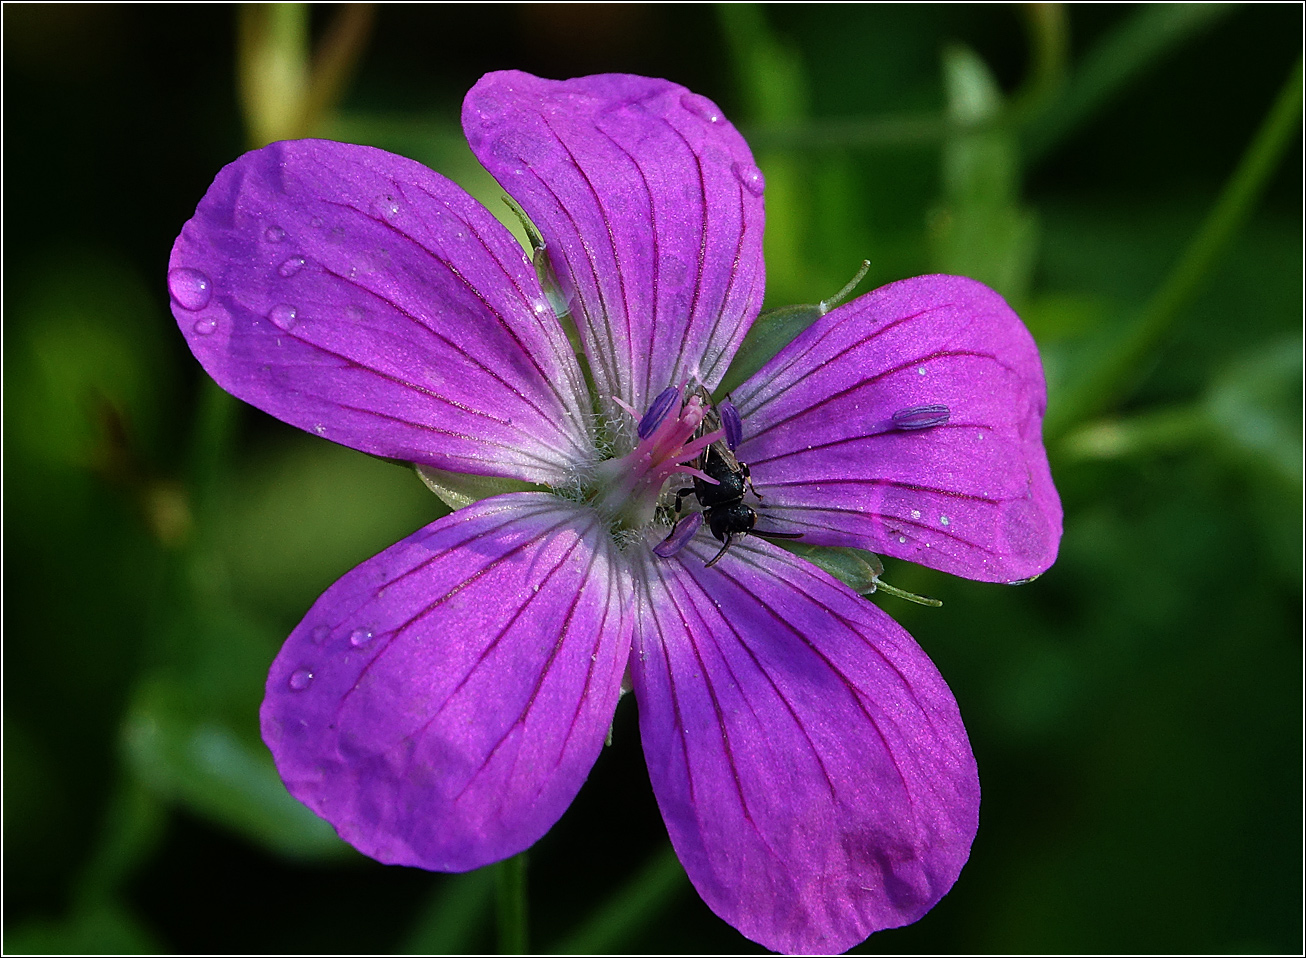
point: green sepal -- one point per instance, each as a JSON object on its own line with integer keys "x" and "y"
{"x": 856, "y": 568}
{"x": 773, "y": 330}
{"x": 457, "y": 489}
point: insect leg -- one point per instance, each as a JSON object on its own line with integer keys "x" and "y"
{"x": 729, "y": 537}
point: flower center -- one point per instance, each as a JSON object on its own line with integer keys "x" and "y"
{"x": 671, "y": 434}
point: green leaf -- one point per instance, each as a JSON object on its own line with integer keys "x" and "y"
{"x": 103, "y": 928}
{"x": 981, "y": 230}
{"x": 454, "y": 916}
{"x": 204, "y": 765}
{"x": 615, "y": 923}
{"x": 1138, "y": 43}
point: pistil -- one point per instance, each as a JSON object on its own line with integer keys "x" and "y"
{"x": 627, "y": 488}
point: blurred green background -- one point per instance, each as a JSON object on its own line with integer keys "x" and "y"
{"x": 1128, "y": 177}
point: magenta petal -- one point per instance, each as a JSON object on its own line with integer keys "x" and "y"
{"x": 360, "y": 296}
{"x": 652, "y": 210}
{"x": 809, "y": 760}
{"x": 442, "y": 703}
{"x": 826, "y": 437}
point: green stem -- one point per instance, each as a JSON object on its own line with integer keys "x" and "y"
{"x": 1113, "y": 375}
{"x": 632, "y": 909}
{"x": 510, "y": 878}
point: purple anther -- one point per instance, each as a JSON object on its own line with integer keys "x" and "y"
{"x": 731, "y": 423}
{"x": 681, "y": 533}
{"x": 658, "y": 411}
{"x": 921, "y": 417}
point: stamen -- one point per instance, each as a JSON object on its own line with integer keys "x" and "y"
{"x": 680, "y": 535}
{"x": 657, "y": 411}
{"x": 627, "y": 488}
{"x": 921, "y": 417}
{"x": 731, "y": 423}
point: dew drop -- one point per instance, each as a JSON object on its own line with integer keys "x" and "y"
{"x": 360, "y": 637}
{"x": 320, "y": 634}
{"x": 284, "y": 316}
{"x": 300, "y": 679}
{"x": 902, "y": 539}
{"x": 749, "y": 176}
{"x": 189, "y": 287}
{"x": 274, "y": 234}
{"x": 204, "y": 327}
{"x": 291, "y": 266}
{"x": 921, "y": 370}
{"x": 701, "y": 107}
{"x": 915, "y": 513}
{"x": 944, "y": 520}
{"x": 320, "y": 429}
{"x": 388, "y": 207}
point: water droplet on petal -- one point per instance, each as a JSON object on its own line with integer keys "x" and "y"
{"x": 203, "y": 327}
{"x": 360, "y": 637}
{"x": 388, "y": 207}
{"x": 701, "y": 106}
{"x": 300, "y": 679}
{"x": 320, "y": 429}
{"x": 320, "y": 634}
{"x": 915, "y": 513}
{"x": 291, "y": 266}
{"x": 284, "y": 316}
{"x": 921, "y": 370}
{"x": 902, "y": 539}
{"x": 944, "y": 520}
{"x": 189, "y": 287}
{"x": 274, "y": 234}
{"x": 750, "y": 177}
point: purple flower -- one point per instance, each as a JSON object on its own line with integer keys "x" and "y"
{"x": 442, "y": 703}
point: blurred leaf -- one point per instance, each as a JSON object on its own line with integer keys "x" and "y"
{"x": 302, "y": 514}
{"x": 84, "y": 360}
{"x": 1110, "y": 376}
{"x": 981, "y": 230}
{"x": 1252, "y": 408}
{"x": 133, "y": 825}
{"x": 1152, "y": 31}
{"x": 455, "y": 917}
{"x": 628, "y": 912}
{"x": 773, "y": 85}
{"x": 1256, "y": 406}
{"x": 102, "y": 929}
{"x": 203, "y": 764}
{"x": 273, "y": 69}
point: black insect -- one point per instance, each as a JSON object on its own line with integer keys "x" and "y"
{"x": 724, "y": 509}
